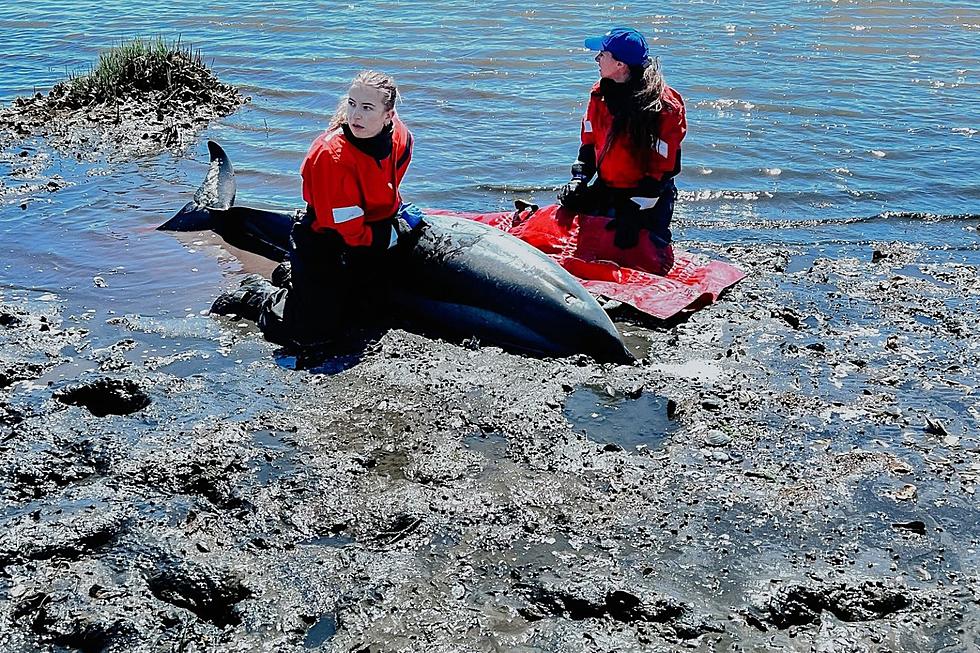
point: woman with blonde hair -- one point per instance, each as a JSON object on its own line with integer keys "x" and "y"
{"x": 355, "y": 214}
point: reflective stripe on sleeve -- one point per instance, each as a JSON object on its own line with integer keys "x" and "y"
{"x": 347, "y": 213}
{"x": 662, "y": 148}
{"x": 645, "y": 202}
{"x": 587, "y": 126}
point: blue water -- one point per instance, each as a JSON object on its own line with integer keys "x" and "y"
{"x": 806, "y": 119}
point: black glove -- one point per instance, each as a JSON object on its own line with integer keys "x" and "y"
{"x": 568, "y": 193}
{"x": 627, "y": 231}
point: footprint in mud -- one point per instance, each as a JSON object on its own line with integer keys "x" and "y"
{"x": 800, "y": 605}
{"x": 67, "y": 624}
{"x": 61, "y": 532}
{"x": 211, "y": 594}
{"x": 8, "y": 319}
{"x": 580, "y": 601}
{"x": 105, "y": 397}
{"x": 322, "y": 630}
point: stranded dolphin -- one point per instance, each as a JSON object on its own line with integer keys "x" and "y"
{"x": 458, "y": 279}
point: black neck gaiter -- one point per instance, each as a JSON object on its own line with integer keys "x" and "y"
{"x": 377, "y": 147}
{"x": 616, "y": 94}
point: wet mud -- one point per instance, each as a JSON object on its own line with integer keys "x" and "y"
{"x": 800, "y": 475}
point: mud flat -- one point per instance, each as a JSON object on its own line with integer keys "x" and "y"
{"x": 792, "y": 469}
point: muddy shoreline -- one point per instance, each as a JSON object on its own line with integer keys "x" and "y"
{"x": 814, "y": 489}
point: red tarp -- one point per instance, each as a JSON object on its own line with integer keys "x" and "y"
{"x": 582, "y": 245}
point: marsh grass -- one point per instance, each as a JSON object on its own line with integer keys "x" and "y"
{"x": 141, "y": 95}
{"x": 141, "y": 66}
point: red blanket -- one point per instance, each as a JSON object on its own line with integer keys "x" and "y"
{"x": 582, "y": 245}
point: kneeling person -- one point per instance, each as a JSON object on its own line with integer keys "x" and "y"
{"x": 338, "y": 251}
{"x": 631, "y": 136}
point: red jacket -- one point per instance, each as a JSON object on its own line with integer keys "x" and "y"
{"x": 348, "y": 188}
{"x": 622, "y": 166}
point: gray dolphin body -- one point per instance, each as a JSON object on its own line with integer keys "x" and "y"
{"x": 458, "y": 279}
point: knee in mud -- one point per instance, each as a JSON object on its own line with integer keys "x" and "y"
{"x": 106, "y": 397}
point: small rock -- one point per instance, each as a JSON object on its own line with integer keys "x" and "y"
{"x": 908, "y": 492}
{"x": 935, "y": 427}
{"x": 99, "y": 282}
{"x": 716, "y": 438}
{"x": 720, "y": 456}
{"x": 711, "y": 404}
{"x": 900, "y": 467}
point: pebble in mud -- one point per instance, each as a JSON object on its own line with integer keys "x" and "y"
{"x": 717, "y": 438}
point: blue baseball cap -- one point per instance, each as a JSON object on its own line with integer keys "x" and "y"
{"x": 623, "y": 43}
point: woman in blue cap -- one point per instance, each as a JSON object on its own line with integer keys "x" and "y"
{"x": 631, "y": 136}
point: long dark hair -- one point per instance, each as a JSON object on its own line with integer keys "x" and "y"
{"x": 639, "y": 117}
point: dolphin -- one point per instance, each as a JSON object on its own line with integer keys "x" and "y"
{"x": 457, "y": 279}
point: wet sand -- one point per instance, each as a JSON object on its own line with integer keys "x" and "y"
{"x": 803, "y": 480}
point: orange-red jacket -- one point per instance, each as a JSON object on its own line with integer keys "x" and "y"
{"x": 348, "y": 188}
{"x": 619, "y": 164}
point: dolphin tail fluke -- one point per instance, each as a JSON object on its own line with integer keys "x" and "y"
{"x": 216, "y": 193}
{"x": 192, "y": 217}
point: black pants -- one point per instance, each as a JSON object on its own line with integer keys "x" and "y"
{"x": 331, "y": 287}
{"x": 599, "y": 199}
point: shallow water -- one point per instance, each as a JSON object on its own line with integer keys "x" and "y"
{"x": 806, "y": 120}
{"x": 637, "y": 422}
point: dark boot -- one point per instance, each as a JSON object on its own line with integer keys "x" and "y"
{"x": 247, "y": 301}
{"x": 282, "y": 275}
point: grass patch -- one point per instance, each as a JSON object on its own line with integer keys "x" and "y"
{"x": 139, "y": 67}
{"x": 141, "y": 95}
